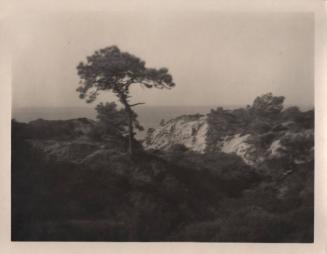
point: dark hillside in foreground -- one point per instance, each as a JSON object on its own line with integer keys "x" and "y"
{"x": 66, "y": 186}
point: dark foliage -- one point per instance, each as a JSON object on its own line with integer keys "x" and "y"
{"x": 112, "y": 121}
{"x": 176, "y": 195}
{"x": 54, "y": 129}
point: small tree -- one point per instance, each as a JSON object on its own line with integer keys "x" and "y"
{"x": 109, "y": 69}
{"x": 110, "y": 119}
{"x": 268, "y": 105}
{"x": 298, "y": 146}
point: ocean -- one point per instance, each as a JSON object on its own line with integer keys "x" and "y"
{"x": 149, "y": 116}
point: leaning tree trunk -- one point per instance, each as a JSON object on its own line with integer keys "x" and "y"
{"x": 130, "y": 132}
{"x": 129, "y": 114}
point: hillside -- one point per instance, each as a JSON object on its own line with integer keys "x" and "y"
{"x": 254, "y": 136}
{"x": 195, "y": 181}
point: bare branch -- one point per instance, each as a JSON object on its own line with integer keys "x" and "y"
{"x": 140, "y": 103}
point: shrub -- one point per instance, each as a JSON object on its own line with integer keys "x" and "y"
{"x": 268, "y": 105}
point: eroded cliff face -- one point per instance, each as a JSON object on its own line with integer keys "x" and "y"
{"x": 189, "y": 131}
{"x": 192, "y": 131}
{"x": 239, "y": 145}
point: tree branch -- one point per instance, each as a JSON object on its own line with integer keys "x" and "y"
{"x": 140, "y": 103}
{"x": 148, "y": 85}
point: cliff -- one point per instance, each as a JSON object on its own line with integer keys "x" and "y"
{"x": 189, "y": 130}
{"x": 253, "y": 137}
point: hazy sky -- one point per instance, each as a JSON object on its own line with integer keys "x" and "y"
{"x": 215, "y": 58}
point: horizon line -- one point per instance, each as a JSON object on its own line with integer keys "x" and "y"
{"x": 150, "y": 105}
